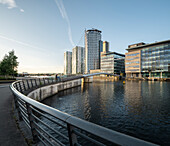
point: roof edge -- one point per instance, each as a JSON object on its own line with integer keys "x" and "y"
{"x": 156, "y": 43}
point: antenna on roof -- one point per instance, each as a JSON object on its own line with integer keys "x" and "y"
{"x": 81, "y": 38}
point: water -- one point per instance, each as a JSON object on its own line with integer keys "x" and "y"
{"x": 137, "y": 108}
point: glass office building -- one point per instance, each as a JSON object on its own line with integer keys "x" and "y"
{"x": 78, "y": 60}
{"x": 149, "y": 60}
{"x": 67, "y": 63}
{"x": 92, "y": 49}
{"x": 112, "y": 62}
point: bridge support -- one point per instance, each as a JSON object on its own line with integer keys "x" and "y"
{"x": 87, "y": 80}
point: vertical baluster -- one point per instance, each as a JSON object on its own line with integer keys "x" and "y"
{"x": 39, "y": 81}
{"x": 17, "y": 107}
{"x": 35, "y": 82}
{"x": 16, "y": 86}
{"x": 19, "y": 89}
{"x": 19, "y": 83}
{"x": 31, "y": 83}
{"x": 44, "y": 80}
{"x": 32, "y": 125}
{"x": 28, "y": 86}
{"x": 24, "y": 85}
{"x": 72, "y": 136}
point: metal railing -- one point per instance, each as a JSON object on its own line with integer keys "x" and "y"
{"x": 53, "y": 127}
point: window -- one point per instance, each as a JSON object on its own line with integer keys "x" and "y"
{"x": 132, "y": 54}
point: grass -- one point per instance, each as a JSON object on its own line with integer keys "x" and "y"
{"x": 7, "y": 78}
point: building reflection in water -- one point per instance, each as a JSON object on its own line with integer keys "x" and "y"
{"x": 137, "y": 108}
{"x": 133, "y": 98}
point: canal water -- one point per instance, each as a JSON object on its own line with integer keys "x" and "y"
{"x": 137, "y": 108}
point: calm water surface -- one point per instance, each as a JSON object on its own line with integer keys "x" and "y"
{"x": 137, "y": 108}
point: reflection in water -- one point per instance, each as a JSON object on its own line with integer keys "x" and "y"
{"x": 140, "y": 109}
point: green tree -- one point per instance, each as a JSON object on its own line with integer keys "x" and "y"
{"x": 9, "y": 64}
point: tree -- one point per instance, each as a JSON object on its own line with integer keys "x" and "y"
{"x": 9, "y": 64}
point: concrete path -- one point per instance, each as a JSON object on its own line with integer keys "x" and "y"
{"x": 9, "y": 133}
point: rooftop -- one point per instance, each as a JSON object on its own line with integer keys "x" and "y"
{"x": 93, "y": 29}
{"x": 114, "y": 53}
{"x": 148, "y": 45}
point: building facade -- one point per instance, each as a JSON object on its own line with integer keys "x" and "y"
{"x": 92, "y": 49}
{"x": 78, "y": 60}
{"x": 148, "y": 60}
{"x": 112, "y": 62}
{"x": 105, "y": 46}
{"x": 67, "y": 63}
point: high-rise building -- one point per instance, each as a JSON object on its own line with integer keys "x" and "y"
{"x": 148, "y": 60}
{"x": 67, "y": 63}
{"x": 105, "y": 46}
{"x": 100, "y": 50}
{"x": 92, "y": 49}
{"x": 78, "y": 60}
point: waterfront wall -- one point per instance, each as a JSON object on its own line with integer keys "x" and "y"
{"x": 148, "y": 78}
{"x": 49, "y": 90}
{"x": 105, "y": 78}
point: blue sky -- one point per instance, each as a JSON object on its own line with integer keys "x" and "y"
{"x": 40, "y": 31}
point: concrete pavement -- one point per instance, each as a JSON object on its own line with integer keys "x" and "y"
{"x": 9, "y": 133}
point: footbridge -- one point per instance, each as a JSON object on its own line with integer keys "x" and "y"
{"x": 88, "y": 76}
{"x": 50, "y": 126}
{"x": 100, "y": 73}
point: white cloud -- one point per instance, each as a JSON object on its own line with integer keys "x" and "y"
{"x": 10, "y": 3}
{"x": 63, "y": 12}
{"x": 21, "y": 10}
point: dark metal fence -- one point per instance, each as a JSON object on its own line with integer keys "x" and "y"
{"x": 53, "y": 127}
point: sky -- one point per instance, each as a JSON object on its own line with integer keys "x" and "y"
{"x": 40, "y": 31}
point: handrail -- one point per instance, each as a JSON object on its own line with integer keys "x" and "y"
{"x": 74, "y": 125}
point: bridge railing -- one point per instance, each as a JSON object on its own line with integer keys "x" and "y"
{"x": 53, "y": 127}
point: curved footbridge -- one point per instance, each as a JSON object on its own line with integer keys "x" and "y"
{"x": 89, "y": 77}
{"x": 64, "y": 129}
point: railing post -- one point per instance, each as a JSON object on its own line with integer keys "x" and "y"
{"x": 48, "y": 81}
{"x": 72, "y": 136}
{"x": 35, "y": 82}
{"x": 39, "y": 82}
{"x": 17, "y": 107}
{"x": 31, "y": 83}
{"x": 44, "y": 80}
{"x": 16, "y": 86}
{"x": 20, "y": 87}
{"x": 24, "y": 85}
{"x": 28, "y": 84}
{"x": 32, "y": 125}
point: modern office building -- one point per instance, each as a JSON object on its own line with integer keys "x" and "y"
{"x": 148, "y": 60}
{"x": 78, "y": 60}
{"x": 105, "y": 46}
{"x": 67, "y": 63}
{"x": 100, "y": 50}
{"x": 112, "y": 62}
{"x": 92, "y": 49}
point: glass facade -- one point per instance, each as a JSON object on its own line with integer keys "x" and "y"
{"x": 112, "y": 63}
{"x": 133, "y": 54}
{"x": 156, "y": 61}
{"x": 67, "y": 63}
{"x": 133, "y": 62}
{"x": 92, "y": 52}
{"x": 77, "y": 60}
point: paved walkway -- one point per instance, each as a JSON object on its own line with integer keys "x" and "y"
{"x": 9, "y": 133}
